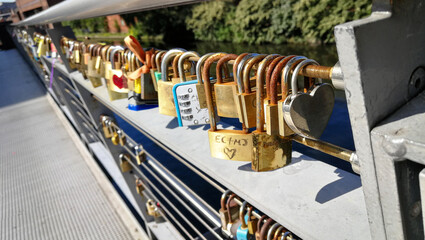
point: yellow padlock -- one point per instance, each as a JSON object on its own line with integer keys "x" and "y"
{"x": 124, "y": 164}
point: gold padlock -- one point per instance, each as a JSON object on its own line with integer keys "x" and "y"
{"x": 269, "y": 151}
{"x": 140, "y": 154}
{"x": 151, "y": 208}
{"x": 140, "y": 187}
{"x": 124, "y": 164}
{"x": 252, "y": 221}
{"x": 122, "y": 138}
{"x": 225, "y": 144}
{"x": 248, "y": 97}
{"x": 94, "y": 60}
{"x": 272, "y": 112}
{"x": 106, "y": 129}
{"x": 107, "y": 64}
{"x": 226, "y": 106}
{"x": 115, "y": 138}
{"x": 117, "y": 85}
{"x": 165, "y": 87}
{"x": 284, "y": 129}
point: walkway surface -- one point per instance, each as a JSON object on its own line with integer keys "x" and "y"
{"x": 47, "y": 190}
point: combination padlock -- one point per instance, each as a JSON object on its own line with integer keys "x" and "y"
{"x": 124, "y": 164}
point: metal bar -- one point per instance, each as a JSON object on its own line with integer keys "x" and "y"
{"x": 181, "y": 187}
{"x": 325, "y": 147}
{"x": 166, "y": 210}
{"x": 136, "y": 168}
{"x": 171, "y": 152}
{"x": 177, "y": 197}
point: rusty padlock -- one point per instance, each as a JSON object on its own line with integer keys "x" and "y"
{"x": 269, "y": 151}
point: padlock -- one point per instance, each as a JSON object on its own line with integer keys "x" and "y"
{"x": 150, "y": 207}
{"x": 94, "y": 59}
{"x": 140, "y": 187}
{"x": 140, "y": 154}
{"x": 85, "y": 52}
{"x": 158, "y": 214}
{"x": 223, "y": 212}
{"x": 165, "y": 88}
{"x": 251, "y": 222}
{"x": 158, "y": 60}
{"x": 117, "y": 84}
{"x": 287, "y": 236}
{"x": 248, "y": 97}
{"x": 124, "y": 164}
{"x": 234, "y": 221}
{"x": 226, "y": 106}
{"x": 189, "y": 96}
{"x": 41, "y": 50}
{"x": 269, "y": 151}
{"x": 154, "y": 69}
{"x": 272, "y": 230}
{"x": 242, "y": 231}
{"x": 307, "y": 114}
{"x": 265, "y": 229}
{"x": 225, "y": 144}
{"x": 107, "y": 64}
{"x": 122, "y": 138}
{"x": 272, "y": 110}
{"x": 100, "y": 65}
{"x": 106, "y": 130}
{"x": 115, "y": 138}
{"x": 260, "y": 224}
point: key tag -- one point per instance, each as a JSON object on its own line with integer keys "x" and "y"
{"x": 307, "y": 114}
{"x": 189, "y": 95}
{"x": 225, "y": 144}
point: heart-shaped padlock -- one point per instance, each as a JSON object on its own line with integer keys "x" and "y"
{"x": 307, "y": 114}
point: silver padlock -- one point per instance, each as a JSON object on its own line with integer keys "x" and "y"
{"x": 307, "y": 114}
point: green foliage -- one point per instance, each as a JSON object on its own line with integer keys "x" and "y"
{"x": 316, "y": 18}
{"x": 90, "y": 25}
{"x": 211, "y": 21}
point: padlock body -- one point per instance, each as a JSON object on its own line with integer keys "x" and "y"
{"x": 115, "y": 138}
{"x": 140, "y": 188}
{"x": 230, "y": 145}
{"x": 165, "y": 98}
{"x": 270, "y": 152}
{"x": 92, "y": 74}
{"x": 147, "y": 89}
{"x": 122, "y": 140}
{"x": 107, "y": 70}
{"x": 242, "y": 234}
{"x": 225, "y": 102}
{"x": 113, "y": 91}
{"x": 224, "y": 217}
{"x": 150, "y": 207}
{"x": 140, "y": 158}
{"x": 252, "y": 225}
{"x": 125, "y": 165}
{"x": 107, "y": 132}
{"x": 284, "y": 129}
{"x": 248, "y": 103}
{"x": 272, "y": 120}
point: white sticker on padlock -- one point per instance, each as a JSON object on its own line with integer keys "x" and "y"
{"x": 189, "y": 111}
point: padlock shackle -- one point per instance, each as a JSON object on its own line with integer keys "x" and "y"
{"x": 182, "y": 59}
{"x": 275, "y": 78}
{"x": 247, "y": 70}
{"x": 158, "y": 58}
{"x": 220, "y": 65}
{"x": 272, "y": 230}
{"x": 229, "y": 201}
{"x": 104, "y": 51}
{"x": 236, "y": 64}
{"x": 113, "y": 52}
{"x": 224, "y": 198}
{"x": 207, "y": 85}
{"x": 278, "y": 232}
{"x": 294, "y": 82}
{"x": 153, "y": 62}
{"x": 166, "y": 61}
{"x": 269, "y": 73}
{"x": 242, "y": 210}
{"x": 261, "y": 71}
{"x": 285, "y": 74}
{"x": 240, "y": 68}
{"x": 264, "y": 229}
{"x": 260, "y": 223}
{"x": 199, "y": 66}
{"x": 175, "y": 65}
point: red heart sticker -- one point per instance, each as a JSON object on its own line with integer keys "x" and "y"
{"x": 118, "y": 81}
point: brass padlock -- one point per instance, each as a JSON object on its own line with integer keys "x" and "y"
{"x": 140, "y": 187}
{"x": 226, "y": 106}
{"x": 225, "y": 144}
{"x": 224, "y": 211}
{"x": 237, "y": 94}
{"x": 140, "y": 154}
{"x": 252, "y": 222}
{"x": 272, "y": 110}
{"x": 124, "y": 164}
{"x": 143, "y": 86}
{"x": 122, "y": 138}
{"x": 278, "y": 233}
{"x": 307, "y": 114}
{"x": 100, "y": 68}
{"x": 269, "y": 151}
{"x": 117, "y": 84}
{"x": 272, "y": 231}
{"x": 165, "y": 87}
{"x": 106, "y": 129}
{"x": 150, "y": 207}
{"x": 94, "y": 61}
{"x": 115, "y": 138}
{"x": 248, "y": 97}
{"x": 107, "y": 64}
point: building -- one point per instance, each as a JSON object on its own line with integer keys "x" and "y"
{"x": 27, "y": 8}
